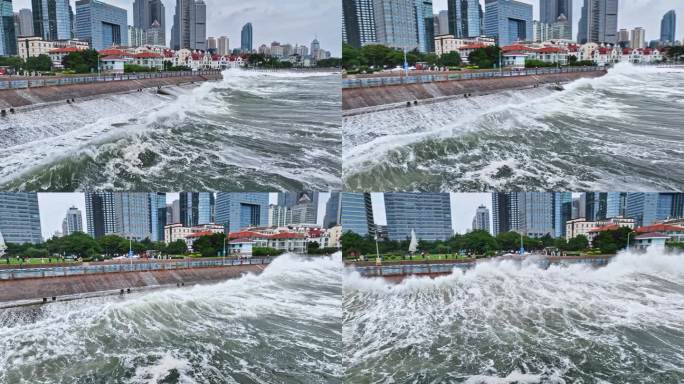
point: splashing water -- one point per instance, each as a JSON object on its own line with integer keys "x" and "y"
{"x": 503, "y": 322}
{"x": 250, "y": 131}
{"x": 280, "y": 326}
{"x": 622, "y": 130}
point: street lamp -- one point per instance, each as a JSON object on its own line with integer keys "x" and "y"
{"x": 628, "y": 235}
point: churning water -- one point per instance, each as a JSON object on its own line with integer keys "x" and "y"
{"x": 283, "y": 326}
{"x": 250, "y": 131}
{"x": 503, "y": 322}
{"x": 620, "y": 131}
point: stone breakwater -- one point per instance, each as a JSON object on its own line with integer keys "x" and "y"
{"x": 371, "y": 99}
{"x": 27, "y": 290}
{"x": 39, "y": 96}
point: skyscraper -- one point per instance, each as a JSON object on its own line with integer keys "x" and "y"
{"x": 598, "y": 22}
{"x": 426, "y": 25}
{"x": 157, "y": 215}
{"x": 358, "y": 22}
{"x": 8, "y": 35}
{"x": 551, "y": 10}
{"x": 534, "y": 214}
{"x": 223, "y": 45}
{"x": 442, "y": 23}
{"x": 73, "y": 221}
{"x": 481, "y": 219}
{"x": 52, "y": 19}
{"x": 241, "y": 210}
{"x": 25, "y": 22}
{"x": 20, "y": 218}
{"x": 428, "y": 214}
{"x": 562, "y": 212}
{"x": 212, "y": 43}
{"x": 189, "y": 29}
{"x": 638, "y": 38}
{"x": 246, "y": 36}
{"x": 305, "y": 211}
{"x": 356, "y": 213}
{"x": 134, "y": 215}
{"x": 396, "y": 23}
{"x": 604, "y": 205}
{"x": 332, "y": 207}
{"x": 315, "y": 48}
{"x": 465, "y": 18}
{"x": 508, "y": 20}
{"x": 101, "y": 217}
{"x": 196, "y": 208}
{"x": 100, "y": 24}
{"x": 145, "y": 14}
{"x": 668, "y": 27}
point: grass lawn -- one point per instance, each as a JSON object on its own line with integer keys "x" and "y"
{"x": 35, "y": 261}
{"x": 419, "y": 258}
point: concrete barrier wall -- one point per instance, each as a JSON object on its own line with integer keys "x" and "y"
{"x": 36, "y": 289}
{"x": 356, "y": 98}
{"x": 14, "y": 98}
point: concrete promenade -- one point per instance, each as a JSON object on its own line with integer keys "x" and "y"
{"x": 371, "y": 99}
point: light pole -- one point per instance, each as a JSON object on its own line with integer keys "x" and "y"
{"x": 628, "y": 235}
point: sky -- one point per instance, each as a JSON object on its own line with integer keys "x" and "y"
{"x": 631, "y": 13}
{"x": 463, "y": 207}
{"x": 53, "y": 208}
{"x": 294, "y": 22}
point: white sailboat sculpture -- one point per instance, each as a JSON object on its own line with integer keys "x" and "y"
{"x": 413, "y": 245}
{"x": 3, "y": 246}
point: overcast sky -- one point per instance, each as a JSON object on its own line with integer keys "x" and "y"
{"x": 632, "y": 13}
{"x": 294, "y": 22}
{"x": 53, "y": 208}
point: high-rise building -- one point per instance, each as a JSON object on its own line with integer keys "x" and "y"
{"x": 173, "y": 212}
{"x": 8, "y": 34}
{"x": 157, "y": 215}
{"x": 464, "y": 18}
{"x": 101, "y": 218}
{"x": 426, "y": 25}
{"x": 279, "y": 216}
{"x": 332, "y": 207}
{"x": 315, "y": 49}
{"x": 396, "y": 23}
{"x": 638, "y": 38}
{"x": 212, "y": 43}
{"x": 246, "y": 38}
{"x": 20, "y": 218}
{"x": 668, "y": 27}
{"x": 534, "y": 214}
{"x": 136, "y": 36}
{"x": 356, "y": 213}
{"x": 134, "y": 215}
{"x": 52, "y": 19}
{"x": 509, "y": 21}
{"x": 358, "y": 22}
{"x": 598, "y": 22}
{"x": 481, "y": 219}
{"x": 428, "y": 214}
{"x": 223, "y": 45}
{"x": 442, "y": 23}
{"x": 241, "y": 210}
{"x": 189, "y": 29}
{"x": 647, "y": 208}
{"x": 100, "y": 24}
{"x": 306, "y": 209}
{"x": 25, "y": 23}
{"x": 196, "y": 208}
{"x": 73, "y": 221}
{"x": 562, "y": 212}
{"x": 551, "y": 10}
{"x": 623, "y": 38}
{"x": 604, "y": 205}
{"x": 150, "y": 14}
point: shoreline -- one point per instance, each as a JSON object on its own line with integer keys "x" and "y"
{"x": 359, "y": 101}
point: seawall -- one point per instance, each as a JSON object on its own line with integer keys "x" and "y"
{"x": 28, "y": 291}
{"x": 28, "y": 97}
{"x": 371, "y": 99}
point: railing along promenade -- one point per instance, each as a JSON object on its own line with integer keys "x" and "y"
{"x": 380, "y": 81}
{"x": 126, "y": 266}
{"x": 17, "y": 82}
{"x": 446, "y": 267}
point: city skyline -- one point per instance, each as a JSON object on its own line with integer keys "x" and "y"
{"x": 630, "y": 14}
{"x": 305, "y": 20}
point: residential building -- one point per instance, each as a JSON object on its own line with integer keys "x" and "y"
{"x": 551, "y": 11}
{"x": 668, "y": 28}
{"x": 623, "y": 38}
{"x": 464, "y": 18}
{"x": 8, "y": 34}
{"x": 175, "y": 232}
{"x": 20, "y": 218}
{"x": 449, "y": 43}
{"x": 136, "y": 36}
{"x": 428, "y": 214}
{"x": 242, "y": 210}
{"x": 73, "y": 222}
{"x": 25, "y": 23}
{"x": 246, "y": 38}
{"x": 150, "y": 17}
{"x": 196, "y": 208}
{"x": 598, "y": 22}
{"x": 284, "y": 240}
{"x": 212, "y": 44}
{"x": 279, "y": 216}
{"x": 674, "y": 232}
{"x": 358, "y": 22}
{"x": 223, "y": 45}
{"x": 638, "y": 38}
{"x": 101, "y": 24}
{"x": 509, "y": 21}
{"x": 654, "y": 241}
{"x": 481, "y": 219}
{"x": 356, "y": 213}
{"x": 590, "y": 228}
{"x": 396, "y": 23}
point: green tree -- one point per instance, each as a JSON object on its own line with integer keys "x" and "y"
{"x": 85, "y": 61}
{"x": 611, "y": 241}
{"x": 578, "y": 243}
{"x": 487, "y": 57}
{"x": 178, "y": 247}
{"x": 113, "y": 245}
{"x": 451, "y": 59}
{"x": 40, "y": 63}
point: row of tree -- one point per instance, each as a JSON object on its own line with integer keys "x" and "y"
{"x": 40, "y": 63}
{"x": 482, "y": 243}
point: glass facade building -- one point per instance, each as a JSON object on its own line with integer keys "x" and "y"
{"x": 332, "y": 208}
{"x": 465, "y": 18}
{"x": 157, "y": 215}
{"x": 426, "y": 25}
{"x": 428, "y": 214}
{"x": 20, "y": 218}
{"x": 52, "y": 19}
{"x": 356, "y": 213}
{"x": 562, "y": 212}
{"x": 598, "y": 22}
{"x": 246, "y": 38}
{"x": 240, "y": 210}
{"x": 102, "y": 25}
{"x": 8, "y": 34}
{"x": 358, "y": 22}
{"x": 508, "y": 20}
{"x": 551, "y": 10}
{"x": 668, "y": 27}
{"x": 196, "y": 208}
{"x": 396, "y": 23}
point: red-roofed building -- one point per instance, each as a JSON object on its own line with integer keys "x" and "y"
{"x": 149, "y": 60}
{"x": 676, "y": 233}
{"x": 654, "y": 240}
{"x": 58, "y": 54}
